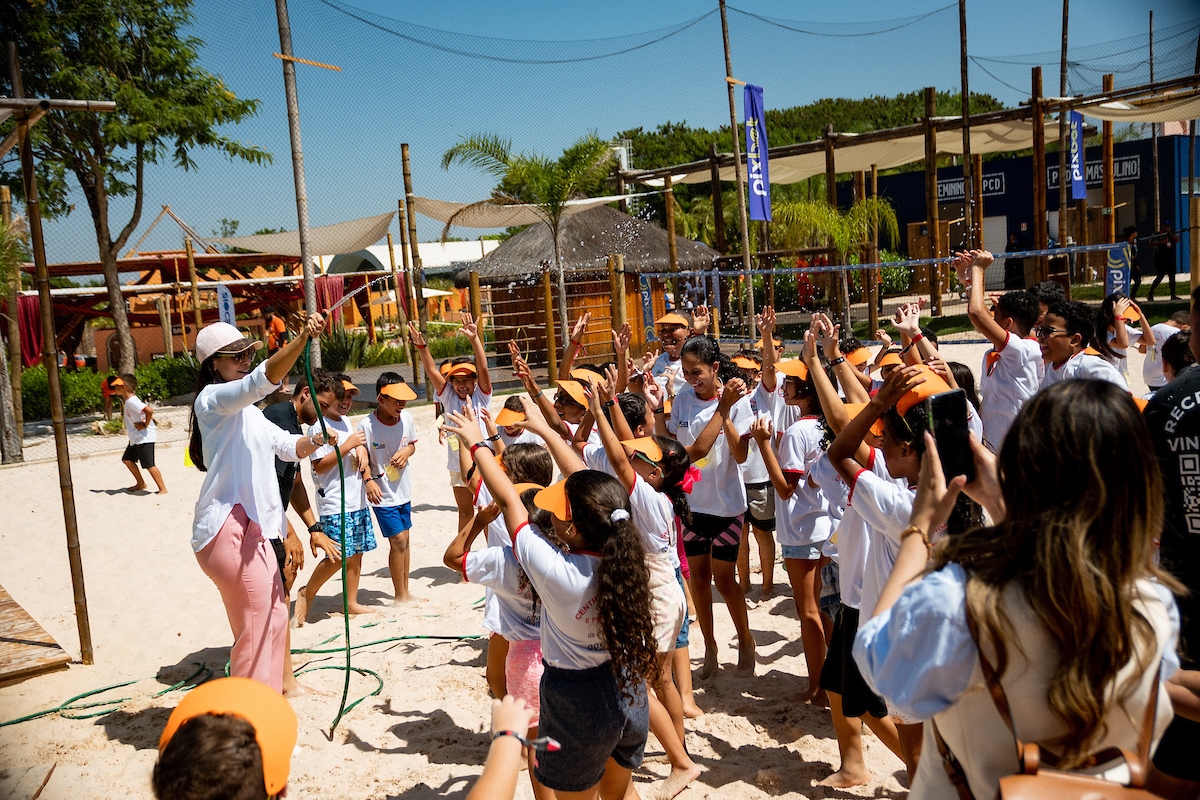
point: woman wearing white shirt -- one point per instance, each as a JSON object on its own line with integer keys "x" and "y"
{"x": 1059, "y": 604}
{"x": 239, "y": 510}
{"x": 711, "y": 419}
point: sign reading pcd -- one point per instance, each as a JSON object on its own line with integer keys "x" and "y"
{"x": 757, "y": 176}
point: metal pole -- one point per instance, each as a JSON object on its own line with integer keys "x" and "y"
{"x": 976, "y": 237}
{"x": 743, "y": 223}
{"x": 50, "y": 359}
{"x": 293, "y": 111}
{"x": 14, "y": 326}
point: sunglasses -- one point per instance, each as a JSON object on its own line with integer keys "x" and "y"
{"x": 1046, "y": 331}
{"x": 245, "y": 355}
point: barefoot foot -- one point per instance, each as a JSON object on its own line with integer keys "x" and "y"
{"x": 295, "y": 688}
{"x": 359, "y": 608}
{"x": 692, "y": 711}
{"x": 300, "y": 613}
{"x": 408, "y": 600}
{"x": 709, "y": 668}
{"x": 677, "y": 781}
{"x": 746, "y": 657}
{"x": 843, "y": 779}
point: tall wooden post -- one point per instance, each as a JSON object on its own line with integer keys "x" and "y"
{"x": 873, "y": 282}
{"x": 1041, "y": 236}
{"x": 14, "y": 327}
{"x": 191, "y": 262}
{"x": 834, "y": 281}
{"x": 1063, "y": 116}
{"x": 864, "y": 254}
{"x": 418, "y": 274}
{"x": 164, "y": 320}
{"x": 50, "y": 360}
{"x": 743, "y": 222}
{"x": 931, "y": 202}
{"x": 370, "y": 316}
{"x": 409, "y": 291}
{"x": 619, "y": 295}
{"x": 718, "y": 201}
{"x": 476, "y": 299}
{"x": 1154, "y": 142}
{"x": 977, "y": 206}
{"x": 548, "y": 308}
{"x": 970, "y": 176}
{"x": 764, "y": 261}
{"x": 672, "y": 255}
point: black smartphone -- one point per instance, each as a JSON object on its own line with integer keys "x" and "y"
{"x": 947, "y": 416}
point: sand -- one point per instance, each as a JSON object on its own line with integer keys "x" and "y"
{"x": 154, "y": 615}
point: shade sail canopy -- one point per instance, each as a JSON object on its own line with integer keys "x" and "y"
{"x": 1165, "y": 108}
{"x": 497, "y": 214}
{"x": 992, "y": 137}
{"x": 342, "y": 237}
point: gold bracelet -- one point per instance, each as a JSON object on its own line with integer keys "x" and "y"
{"x": 912, "y": 530}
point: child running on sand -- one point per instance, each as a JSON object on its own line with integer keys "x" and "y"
{"x": 140, "y": 428}
{"x": 360, "y": 532}
{"x": 467, "y": 380}
{"x": 391, "y": 440}
{"x": 597, "y": 632}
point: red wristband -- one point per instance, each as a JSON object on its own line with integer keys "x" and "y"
{"x": 478, "y": 445}
{"x": 916, "y": 339}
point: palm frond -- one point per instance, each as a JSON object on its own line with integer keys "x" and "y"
{"x": 487, "y": 152}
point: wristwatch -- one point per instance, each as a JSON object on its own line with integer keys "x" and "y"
{"x": 316, "y": 527}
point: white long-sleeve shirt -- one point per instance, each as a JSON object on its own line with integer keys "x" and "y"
{"x": 240, "y": 446}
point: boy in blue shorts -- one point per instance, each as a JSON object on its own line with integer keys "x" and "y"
{"x": 391, "y": 440}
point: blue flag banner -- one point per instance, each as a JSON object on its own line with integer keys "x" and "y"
{"x": 757, "y": 176}
{"x": 225, "y": 305}
{"x": 1116, "y": 273}
{"x": 1075, "y": 149}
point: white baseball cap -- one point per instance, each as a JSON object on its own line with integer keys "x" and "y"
{"x": 221, "y": 337}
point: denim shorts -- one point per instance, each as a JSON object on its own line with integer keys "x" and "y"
{"x": 804, "y": 552}
{"x": 393, "y": 519}
{"x": 360, "y": 533}
{"x": 681, "y": 641}
{"x": 585, "y": 711}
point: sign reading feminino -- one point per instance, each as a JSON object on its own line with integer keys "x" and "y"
{"x": 950, "y": 190}
{"x": 1125, "y": 169}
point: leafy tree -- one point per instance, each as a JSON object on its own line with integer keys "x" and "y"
{"x": 138, "y": 55}
{"x": 537, "y": 180}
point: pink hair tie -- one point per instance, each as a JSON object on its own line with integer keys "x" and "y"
{"x": 689, "y": 479}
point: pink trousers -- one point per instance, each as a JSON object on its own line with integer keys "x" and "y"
{"x": 243, "y": 566}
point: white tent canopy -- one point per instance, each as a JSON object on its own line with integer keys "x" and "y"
{"x": 1165, "y": 108}
{"x": 488, "y": 214}
{"x": 342, "y": 237}
{"x": 992, "y": 137}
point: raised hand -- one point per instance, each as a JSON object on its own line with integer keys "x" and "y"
{"x": 760, "y": 429}
{"x": 731, "y": 392}
{"x": 654, "y": 393}
{"x": 469, "y": 328}
{"x": 1121, "y": 306}
{"x": 908, "y": 319}
{"x": 607, "y": 388}
{"x": 580, "y": 327}
{"x": 648, "y": 359}
{"x": 766, "y": 321}
{"x": 882, "y": 336}
{"x": 414, "y": 335}
{"x": 898, "y": 384}
{"x": 314, "y": 326}
{"x": 622, "y": 338}
{"x": 809, "y": 350}
{"x": 466, "y": 428}
{"x": 700, "y": 319}
{"x": 534, "y": 422}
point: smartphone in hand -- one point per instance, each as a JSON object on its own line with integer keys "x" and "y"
{"x": 947, "y": 417}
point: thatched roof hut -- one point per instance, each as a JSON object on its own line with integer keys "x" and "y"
{"x": 586, "y": 240}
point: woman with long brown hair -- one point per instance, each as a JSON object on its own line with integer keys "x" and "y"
{"x": 1059, "y": 599}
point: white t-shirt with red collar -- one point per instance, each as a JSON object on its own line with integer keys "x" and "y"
{"x": 1011, "y": 375}
{"x": 1083, "y": 365}
{"x": 453, "y": 404}
{"x": 884, "y": 504}
{"x": 802, "y": 519}
{"x": 720, "y": 491}
{"x": 518, "y": 612}
{"x": 653, "y": 515}
{"x": 567, "y": 584}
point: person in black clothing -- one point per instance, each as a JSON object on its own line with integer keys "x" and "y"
{"x": 291, "y": 416}
{"x": 1164, "y": 259}
{"x": 1174, "y": 420}
{"x": 1014, "y": 268}
{"x": 1135, "y": 267}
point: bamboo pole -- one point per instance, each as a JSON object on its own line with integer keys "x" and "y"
{"x": 672, "y": 254}
{"x": 476, "y": 299}
{"x": 548, "y": 308}
{"x": 970, "y": 176}
{"x": 370, "y": 316}
{"x": 977, "y": 205}
{"x": 1063, "y": 169}
{"x": 864, "y": 255}
{"x": 1154, "y": 142}
{"x": 164, "y": 319}
{"x": 839, "y": 311}
{"x": 14, "y": 325}
{"x": 1041, "y": 235}
{"x": 179, "y": 305}
{"x": 191, "y": 262}
{"x": 418, "y": 274}
{"x": 409, "y": 291}
{"x": 619, "y": 272}
{"x": 395, "y": 278}
{"x": 931, "y": 202}
{"x": 873, "y": 286}
{"x": 718, "y": 201}
{"x": 743, "y": 223}
{"x": 50, "y": 359}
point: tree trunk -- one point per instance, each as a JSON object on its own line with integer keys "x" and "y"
{"x": 564, "y": 321}
{"x": 10, "y": 437}
{"x": 116, "y": 303}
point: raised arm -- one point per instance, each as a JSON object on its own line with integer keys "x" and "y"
{"x": 470, "y": 329}
{"x": 853, "y": 382}
{"x": 621, "y": 340}
{"x": 970, "y": 266}
{"x": 766, "y": 325}
{"x": 908, "y": 322}
{"x": 545, "y": 405}
{"x": 498, "y": 483}
{"x": 842, "y": 452}
{"x": 612, "y": 443}
{"x": 436, "y": 379}
{"x": 461, "y": 544}
{"x": 574, "y": 345}
{"x": 739, "y": 446}
{"x": 563, "y": 454}
{"x": 785, "y": 485}
{"x": 280, "y": 364}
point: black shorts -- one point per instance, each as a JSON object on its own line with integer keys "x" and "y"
{"x": 718, "y": 537}
{"x": 841, "y": 675}
{"x": 1177, "y": 750}
{"x": 140, "y": 453}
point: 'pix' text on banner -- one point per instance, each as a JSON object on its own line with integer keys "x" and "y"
{"x": 757, "y": 176}
{"x": 1075, "y": 149}
{"x": 1117, "y": 271}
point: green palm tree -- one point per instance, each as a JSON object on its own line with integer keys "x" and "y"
{"x": 801, "y": 223}
{"x": 536, "y": 180}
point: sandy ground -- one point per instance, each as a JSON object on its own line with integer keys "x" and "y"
{"x": 154, "y": 615}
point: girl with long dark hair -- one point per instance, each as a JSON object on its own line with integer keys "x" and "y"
{"x": 239, "y": 524}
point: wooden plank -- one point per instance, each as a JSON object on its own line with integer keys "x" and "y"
{"x": 25, "y": 647}
{"x": 24, "y": 783}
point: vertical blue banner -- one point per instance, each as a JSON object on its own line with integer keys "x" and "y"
{"x": 647, "y": 308}
{"x": 225, "y": 305}
{"x": 1116, "y": 273}
{"x": 757, "y": 176}
{"x": 1075, "y": 149}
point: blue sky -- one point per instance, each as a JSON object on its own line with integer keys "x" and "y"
{"x": 394, "y": 89}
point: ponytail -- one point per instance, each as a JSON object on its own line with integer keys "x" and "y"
{"x": 207, "y": 376}
{"x": 600, "y": 509}
{"x": 674, "y": 464}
